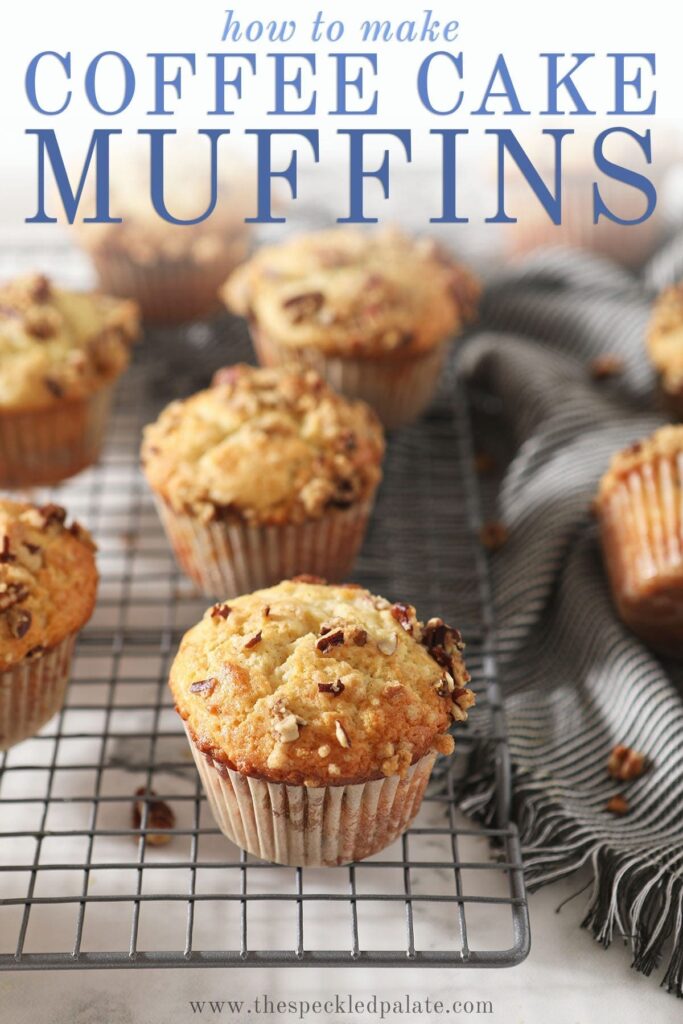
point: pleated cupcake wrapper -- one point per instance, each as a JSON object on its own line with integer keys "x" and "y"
{"x": 312, "y": 826}
{"x": 672, "y": 400}
{"x": 227, "y": 559}
{"x": 168, "y": 291}
{"x": 48, "y": 445}
{"x": 642, "y": 533}
{"x": 399, "y": 388}
{"x": 33, "y": 691}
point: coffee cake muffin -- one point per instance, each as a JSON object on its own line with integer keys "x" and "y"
{"x": 372, "y": 312}
{"x": 48, "y": 585}
{"x": 264, "y": 475}
{"x": 314, "y": 714}
{"x": 61, "y": 354}
{"x": 665, "y": 346}
{"x": 172, "y": 271}
{"x": 640, "y": 509}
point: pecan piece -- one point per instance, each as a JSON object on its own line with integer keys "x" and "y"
{"x": 334, "y": 688}
{"x": 404, "y": 615}
{"x": 605, "y": 367}
{"x": 5, "y": 553}
{"x": 255, "y": 639}
{"x": 303, "y": 307}
{"x": 493, "y": 535}
{"x": 52, "y": 514}
{"x": 11, "y": 594}
{"x": 206, "y": 686}
{"x": 618, "y": 805}
{"x": 19, "y": 621}
{"x": 220, "y": 611}
{"x": 625, "y": 764}
{"x": 329, "y": 640}
{"x": 160, "y": 817}
{"x": 54, "y": 387}
{"x": 359, "y": 636}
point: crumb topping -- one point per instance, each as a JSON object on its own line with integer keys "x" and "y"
{"x": 48, "y": 579}
{"x": 351, "y": 292}
{"x": 57, "y": 345}
{"x": 292, "y": 709}
{"x": 265, "y": 446}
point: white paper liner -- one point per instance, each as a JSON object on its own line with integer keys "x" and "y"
{"x": 48, "y": 445}
{"x": 642, "y": 536}
{"x": 226, "y": 559}
{"x": 306, "y": 826}
{"x": 399, "y": 388}
{"x": 33, "y": 691}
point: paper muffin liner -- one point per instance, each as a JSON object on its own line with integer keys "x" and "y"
{"x": 398, "y": 387}
{"x": 672, "y": 400}
{"x": 44, "y": 446}
{"x": 33, "y": 691}
{"x": 311, "y": 826}
{"x": 169, "y": 291}
{"x": 642, "y": 536}
{"x": 226, "y": 559}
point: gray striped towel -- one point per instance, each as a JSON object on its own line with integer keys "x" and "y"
{"x": 576, "y": 681}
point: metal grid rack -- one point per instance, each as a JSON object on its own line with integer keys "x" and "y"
{"x": 80, "y": 886}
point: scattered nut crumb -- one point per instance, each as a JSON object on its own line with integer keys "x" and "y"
{"x": 625, "y": 764}
{"x": 159, "y": 816}
{"x": 493, "y": 535}
{"x": 484, "y": 463}
{"x": 605, "y": 367}
{"x": 220, "y": 611}
{"x": 334, "y": 688}
{"x": 331, "y": 639}
{"x": 256, "y": 639}
{"x": 359, "y": 637}
{"x": 205, "y": 686}
{"x": 618, "y": 805}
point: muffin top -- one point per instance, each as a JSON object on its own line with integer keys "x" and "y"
{"x": 265, "y": 446}
{"x": 665, "y": 337}
{"x": 319, "y": 685}
{"x": 665, "y": 443}
{"x": 348, "y": 292}
{"x": 48, "y": 579}
{"x": 57, "y": 345}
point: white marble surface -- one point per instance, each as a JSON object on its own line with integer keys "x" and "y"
{"x": 567, "y": 979}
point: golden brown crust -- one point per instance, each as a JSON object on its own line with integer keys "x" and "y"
{"x": 48, "y": 579}
{"x": 57, "y": 345}
{"x": 665, "y": 338}
{"x": 264, "y": 446}
{"x": 312, "y": 684}
{"x": 348, "y": 292}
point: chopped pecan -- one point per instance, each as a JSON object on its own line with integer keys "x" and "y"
{"x": 54, "y": 387}
{"x": 334, "y": 688}
{"x": 255, "y": 639}
{"x": 266, "y": 611}
{"x": 5, "y": 553}
{"x": 303, "y": 307}
{"x": 40, "y": 289}
{"x": 11, "y": 594}
{"x": 36, "y": 652}
{"x": 493, "y": 535}
{"x": 359, "y": 636}
{"x": 329, "y": 640}
{"x": 484, "y": 463}
{"x": 220, "y": 611}
{"x": 160, "y": 817}
{"x": 19, "y": 621}
{"x": 618, "y": 805}
{"x": 404, "y": 614}
{"x": 625, "y": 764}
{"x": 206, "y": 686}
{"x": 51, "y": 514}
{"x": 605, "y": 367}
{"x": 42, "y": 323}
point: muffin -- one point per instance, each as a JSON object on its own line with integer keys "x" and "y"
{"x": 61, "y": 354}
{"x": 48, "y": 585}
{"x": 665, "y": 346}
{"x": 266, "y": 474}
{"x": 640, "y": 509}
{"x": 314, "y": 715}
{"x": 372, "y": 312}
{"x": 172, "y": 271}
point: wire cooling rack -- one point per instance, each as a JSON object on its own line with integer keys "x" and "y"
{"x": 82, "y": 885}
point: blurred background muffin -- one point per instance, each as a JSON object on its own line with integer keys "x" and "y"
{"x": 61, "y": 353}
{"x": 263, "y": 476}
{"x": 172, "y": 271}
{"x": 372, "y": 312}
{"x": 665, "y": 346}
